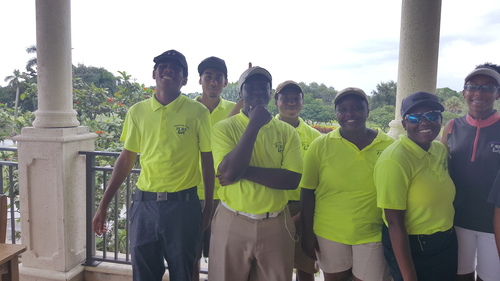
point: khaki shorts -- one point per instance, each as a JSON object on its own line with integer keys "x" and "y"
{"x": 366, "y": 260}
{"x": 301, "y": 260}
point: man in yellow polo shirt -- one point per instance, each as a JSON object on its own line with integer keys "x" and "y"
{"x": 257, "y": 158}
{"x": 171, "y": 132}
{"x": 289, "y": 99}
{"x": 213, "y": 79}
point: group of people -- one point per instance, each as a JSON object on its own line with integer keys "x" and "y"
{"x": 276, "y": 195}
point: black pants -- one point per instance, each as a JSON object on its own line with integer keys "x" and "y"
{"x": 164, "y": 231}
{"x": 435, "y": 256}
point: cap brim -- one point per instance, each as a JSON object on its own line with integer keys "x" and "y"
{"x": 484, "y": 71}
{"x": 433, "y": 104}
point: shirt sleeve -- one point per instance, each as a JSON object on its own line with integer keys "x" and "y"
{"x": 205, "y": 133}
{"x": 310, "y": 176}
{"x": 392, "y": 182}
{"x": 292, "y": 157}
{"x": 222, "y": 144}
{"x": 130, "y": 133}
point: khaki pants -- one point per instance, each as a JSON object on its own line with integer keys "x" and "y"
{"x": 245, "y": 249}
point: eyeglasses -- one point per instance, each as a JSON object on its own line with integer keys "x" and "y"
{"x": 431, "y": 116}
{"x": 482, "y": 88}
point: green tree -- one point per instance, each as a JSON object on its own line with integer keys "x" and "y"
{"x": 447, "y": 116}
{"x": 97, "y": 75}
{"x": 444, "y": 94}
{"x": 385, "y": 94}
{"x": 231, "y": 92}
{"x": 91, "y": 101}
{"x": 128, "y": 94}
{"x": 454, "y": 105}
{"x": 315, "y": 110}
{"x": 32, "y": 63}
{"x": 382, "y": 116}
{"x": 15, "y": 81}
{"x": 320, "y": 91}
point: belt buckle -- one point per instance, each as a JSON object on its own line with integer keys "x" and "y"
{"x": 161, "y": 196}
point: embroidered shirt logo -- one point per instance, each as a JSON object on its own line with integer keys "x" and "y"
{"x": 305, "y": 145}
{"x": 181, "y": 129}
{"x": 444, "y": 164}
{"x": 495, "y": 147}
{"x": 279, "y": 146}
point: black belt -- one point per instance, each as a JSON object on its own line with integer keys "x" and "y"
{"x": 183, "y": 195}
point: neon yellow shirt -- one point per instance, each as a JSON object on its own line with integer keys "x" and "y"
{"x": 341, "y": 176}
{"x": 412, "y": 179}
{"x": 219, "y": 113}
{"x": 306, "y": 135}
{"x": 277, "y": 146}
{"x": 169, "y": 139}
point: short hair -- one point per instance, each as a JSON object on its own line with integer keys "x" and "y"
{"x": 490, "y": 66}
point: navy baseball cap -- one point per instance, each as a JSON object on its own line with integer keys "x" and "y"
{"x": 175, "y": 55}
{"x": 212, "y": 62}
{"x": 420, "y": 98}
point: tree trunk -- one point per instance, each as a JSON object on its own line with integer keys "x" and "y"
{"x": 16, "y": 103}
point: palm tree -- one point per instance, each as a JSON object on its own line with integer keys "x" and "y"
{"x": 15, "y": 80}
{"x": 454, "y": 105}
{"x": 32, "y": 62}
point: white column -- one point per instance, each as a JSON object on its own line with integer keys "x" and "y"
{"x": 51, "y": 172}
{"x": 54, "y": 66}
{"x": 418, "y": 52}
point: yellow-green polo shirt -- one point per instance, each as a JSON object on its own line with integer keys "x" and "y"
{"x": 341, "y": 176}
{"x": 412, "y": 179}
{"x": 306, "y": 135}
{"x": 277, "y": 146}
{"x": 219, "y": 113}
{"x": 169, "y": 139}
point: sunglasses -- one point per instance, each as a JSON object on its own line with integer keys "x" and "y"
{"x": 482, "y": 88}
{"x": 431, "y": 116}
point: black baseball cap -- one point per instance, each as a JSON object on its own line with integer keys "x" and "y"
{"x": 212, "y": 62}
{"x": 175, "y": 55}
{"x": 418, "y": 99}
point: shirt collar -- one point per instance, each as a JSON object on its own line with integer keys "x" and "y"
{"x": 415, "y": 149}
{"x": 174, "y": 105}
{"x": 222, "y": 103}
{"x": 484, "y": 122}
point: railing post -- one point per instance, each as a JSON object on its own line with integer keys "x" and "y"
{"x": 90, "y": 202}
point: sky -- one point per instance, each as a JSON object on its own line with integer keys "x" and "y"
{"x": 336, "y": 43}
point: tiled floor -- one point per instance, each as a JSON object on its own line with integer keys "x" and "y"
{"x": 204, "y": 266}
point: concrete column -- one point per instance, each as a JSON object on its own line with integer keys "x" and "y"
{"x": 53, "y": 42}
{"x": 52, "y": 196}
{"x": 418, "y": 53}
{"x": 51, "y": 172}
